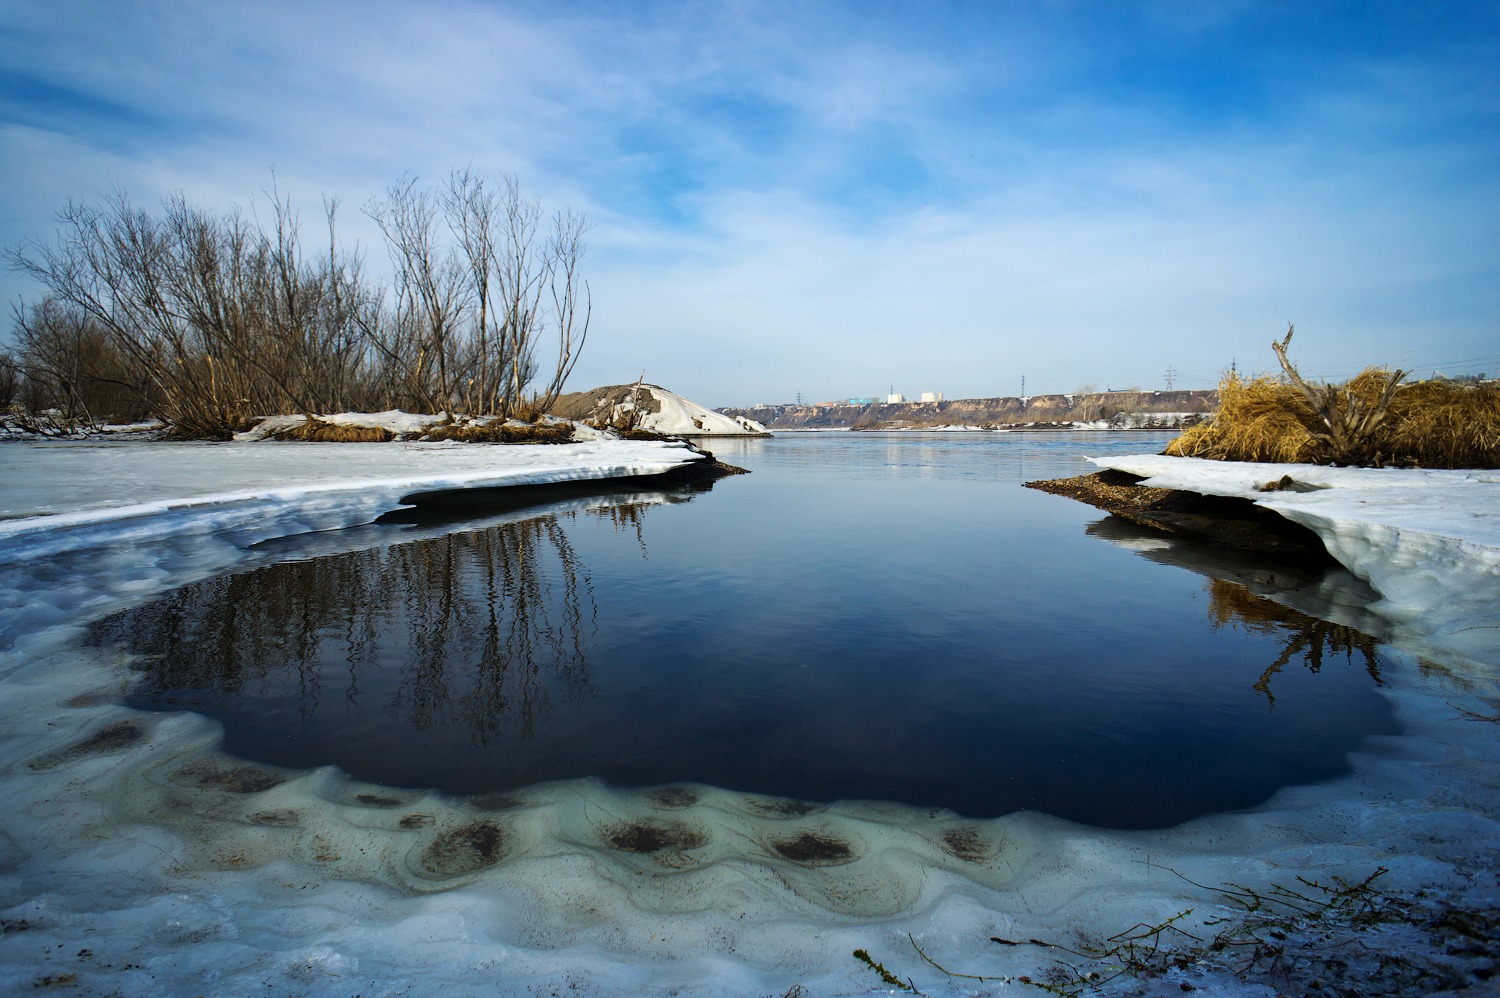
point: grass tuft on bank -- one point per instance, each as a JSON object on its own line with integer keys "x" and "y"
{"x": 317, "y": 430}
{"x": 504, "y": 433}
{"x": 1372, "y": 420}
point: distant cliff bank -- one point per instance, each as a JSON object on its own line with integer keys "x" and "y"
{"x": 1098, "y": 410}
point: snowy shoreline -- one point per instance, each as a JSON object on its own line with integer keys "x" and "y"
{"x": 157, "y": 487}
{"x": 138, "y": 856}
{"x": 1428, "y": 541}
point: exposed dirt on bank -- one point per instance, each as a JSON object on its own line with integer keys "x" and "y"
{"x": 1223, "y": 520}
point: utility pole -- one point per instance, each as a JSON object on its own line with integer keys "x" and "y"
{"x": 1170, "y": 374}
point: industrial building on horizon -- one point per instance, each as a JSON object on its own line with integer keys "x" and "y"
{"x": 893, "y": 398}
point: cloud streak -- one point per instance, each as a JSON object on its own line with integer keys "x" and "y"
{"x": 834, "y": 200}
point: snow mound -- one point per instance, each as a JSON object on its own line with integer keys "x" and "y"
{"x": 658, "y": 410}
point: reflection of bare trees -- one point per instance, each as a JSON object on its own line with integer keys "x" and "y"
{"x": 1307, "y": 637}
{"x": 479, "y": 629}
{"x": 626, "y": 517}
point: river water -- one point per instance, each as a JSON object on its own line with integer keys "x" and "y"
{"x": 882, "y": 617}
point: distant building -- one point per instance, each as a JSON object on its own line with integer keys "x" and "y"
{"x": 895, "y": 398}
{"x": 863, "y": 401}
{"x": 932, "y": 396}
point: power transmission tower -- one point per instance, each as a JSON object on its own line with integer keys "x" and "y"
{"x": 799, "y": 398}
{"x": 1170, "y": 374}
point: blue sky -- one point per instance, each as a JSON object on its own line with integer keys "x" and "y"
{"x": 836, "y": 198}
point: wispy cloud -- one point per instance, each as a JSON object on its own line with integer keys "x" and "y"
{"x": 830, "y": 199}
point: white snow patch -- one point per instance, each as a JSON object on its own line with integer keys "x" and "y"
{"x": 398, "y": 421}
{"x": 682, "y": 417}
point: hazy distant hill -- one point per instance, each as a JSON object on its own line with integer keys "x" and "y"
{"x": 1133, "y": 408}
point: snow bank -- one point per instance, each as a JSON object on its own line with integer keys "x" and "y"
{"x": 1428, "y": 541}
{"x": 67, "y": 495}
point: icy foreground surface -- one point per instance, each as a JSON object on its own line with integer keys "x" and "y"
{"x": 1428, "y": 541}
{"x": 135, "y": 858}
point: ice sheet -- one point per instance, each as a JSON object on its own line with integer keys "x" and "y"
{"x": 136, "y": 858}
{"x": 71, "y": 494}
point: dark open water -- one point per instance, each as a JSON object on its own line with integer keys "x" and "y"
{"x": 866, "y": 616}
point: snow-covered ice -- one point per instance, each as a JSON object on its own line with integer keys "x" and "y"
{"x": 63, "y": 494}
{"x": 1427, "y": 540}
{"x": 130, "y": 862}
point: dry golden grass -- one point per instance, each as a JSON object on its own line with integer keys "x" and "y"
{"x": 528, "y": 410}
{"x": 337, "y": 433}
{"x": 1259, "y": 419}
{"x": 1430, "y": 424}
{"x": 1446, "y": 424}
{"x": 503, "y": 433}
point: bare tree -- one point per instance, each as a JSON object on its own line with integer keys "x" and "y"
{"x": 472, "y": 211}
{"x": 485, "y": 305}
{"x": 111, "y": 262}
{"x": 429, "y": 291}
{"x": 10, "y": 380}
{"x": 565, "y": 253}
{"x": 521, "y": 277}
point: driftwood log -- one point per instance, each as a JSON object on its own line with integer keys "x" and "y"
{"x": 1342, "y": 421}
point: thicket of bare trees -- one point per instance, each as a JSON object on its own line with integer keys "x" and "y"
{"x": 209, "y": 321}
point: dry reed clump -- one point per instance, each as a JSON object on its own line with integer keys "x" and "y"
{"x": 1428, "y": 424}
{"x": 503, "y": 433}
{"x": 1446, "y": 424}
{"x": 1259, "y": 419}
{"x": 318, "y": 431}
